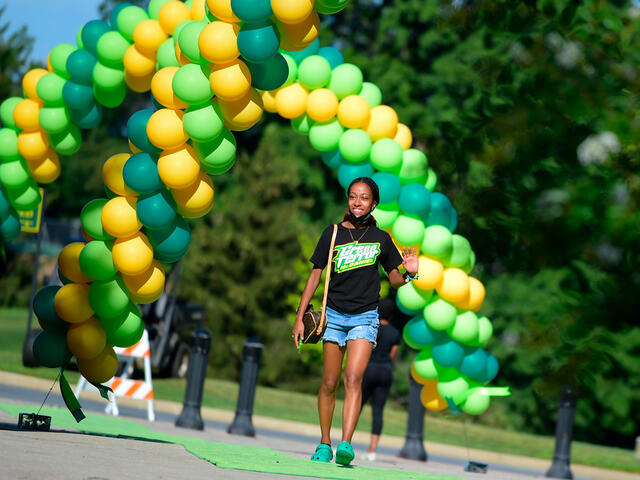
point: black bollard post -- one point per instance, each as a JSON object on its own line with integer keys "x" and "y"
{"x": 251, "y": 354}
{"x": 413, "y": 444}
{"x": 196, "y": 373}
{"x": 560, "y": 468}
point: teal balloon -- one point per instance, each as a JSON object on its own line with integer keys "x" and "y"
{"x": 6, "y": 111}
{"x": 54, "y": 119}
{"x": 440, "y": 212}
{"x": 107, "y": 78}
{"x": 58, "y": 58}
{"x": 110, "y": 98}
{"x": 188, "y": 41}
{"x": 80, "y": 66}
{"x": 108, "y": 298}
{"x": 49, "y": 89}
{"x": 171, "y": 242}
{"x": 332, "y": 55}
{"x": 454, "y": 220}
{"x": 354, "y": 145}
{"x": 111, "y": 48}
{"x": 389, "y": 186}
{"x": 492, "y": 368}
{"x": 314, "y": 72}
{"x": 271, "y": 74}
{"x": 448, "y": 353}
{"x": 137, "y": 131}
{"x": 252, "y": 11}
{"x": 91, "y": 219}
{"x": 417, "y": 334}
{"x": 44, "y": 309}
{"x": 156, "y": 210}
{"x": 10, "y": 227}
{"x": 9, "y": 144}
{"x": 332, "y": 158}
{"x": 474, "y": 364}
{"x": 88, "y": 119}
{"x": 259, "y": 42}
{"x": 191, "y": 84}
{"x": 415, "y": 200}
{"x": 300, "y": 55}
{"x": 325, "y": 136}
{"x": 14, "y": 174}
{"x": 140, "y": 174}
{"x": 203, "y": 123}
{"x": 348, "y": 172}
{"x": 77, "y": 96}
{"x": 68, "y": 141}
{"x": 50, "y": 348}
{"x": 96, "y": 260}
{"x": 218, "y": 156}
{"x": 5, "y": 207}
{"x": 346, "y": 79}
{"x": 92, "y": 32}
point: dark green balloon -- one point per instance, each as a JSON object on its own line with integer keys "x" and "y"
{"x": 44, "y": 309}
{"x": 50, "y": 348}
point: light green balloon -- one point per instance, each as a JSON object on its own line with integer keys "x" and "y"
{"x": 465, "y": 328}
{"x": 111, "y": 48}
{"x": 154, "y": 7}
{"x": 293, "y": 70}
{"x": 387, "y": 156}
{"x": 67, "y": 142}
{"x": 454, "y": 388}
{"x": 346, "y": 79}
{"x": 439, "y": 314}
{"x": 49, "y": 89}
{"x": 460, "y": 252}
{"x": 167, "y": 55}
{"x": 325, "y": 136}
{"x": 355, "y": 145}
{"x": 408, "y": 230}
{"x": 385, "y": 217}
{"x": 414, "y": 167}
{"x": 218, "y": 156}
{"x": 54, "y": 119}
{"x": 191, "y": 84}
{"x": 485, "y": 330}
{"x": 432, "y": 180}
{"x": 437, "y": 242}
{"x": 476, "y": 403}
{"x": 371, "y": 93}
{"x": 302, "y": 124}
{"x": 58, "y": 58}
{"x": 9, "y": 144}
{"x": 203, "y": 123}
{"x": 96, "y": 260}
{"x": 128, "y": 19}
{"x": 6, "y": 111}
{"x": 188, "y": 41}
{"x": 107, "y": 77}
{"x": 79, "y": 41}
{"x": 314, "y": 72}
{"x": 26, "y": 198}
{"x": 425, "y": 366}
{"x": 108, "y": 298}
{"x": 413, "y": 299}
{"x": 14, "y": 174}
{"x": 110, "y": 98}
{"x": 468, "y": 267}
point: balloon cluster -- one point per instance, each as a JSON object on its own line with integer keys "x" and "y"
{"x": 213, "y": 67}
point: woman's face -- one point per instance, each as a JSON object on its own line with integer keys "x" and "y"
{"x": 361, "y": 199}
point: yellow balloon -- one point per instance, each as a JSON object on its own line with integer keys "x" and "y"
{"x": 147, "y": 286}
{"x": 148, "y": 36}
{"x": 119, "y": 218}
{"x": 162, "y": 88}
{"x": 101, "y": 368}
{"x": 476, "y": 296}
{"x": 166, "y": 130}
{"x": 71, "y": 303}
{"x": 430, "y": 274}
{"x": 33, "y": 145}
{"x": 46, "y": 169}
{"x": 139, "y": 64}
{"x": 133, "y": 148}
{"x": 26, "y": 115}
{"x": 172, "y": 14}
{"x": 322, "y": 104}
{"x": 218, "y": 42}
{"x": 69, "y": 264}
{"x": 291, "y": 11}
{"x": 455, "y": 285}
{"x": 197, "y": 10}
{"x": 300, "y": 35}
{"x": 291, "y": 100}
{"x": 243, "y": 113}
{"x": 222, "y": 9}
{"x": 354, "y": 112}
{"x": 86, "y": 340}
{"x": 269, "y": 101}
{"x": 383, "y": 123}
{"x": 30, "y": 80}
{"x": 404, "y": 136}
{"x": 179, "y": 168}
{"x": 197, "y": 199}
{"x": 230, "y": 81}
{"x": 138, "y": 84}
{"x": 431, "y": 399}
{"x": 112, "y": 174}
{"x": 132, "y": 255}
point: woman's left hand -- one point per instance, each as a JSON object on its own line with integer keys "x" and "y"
{"x": 410, "y": 260}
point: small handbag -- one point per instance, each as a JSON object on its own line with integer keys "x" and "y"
{"x": 315, "y": 323}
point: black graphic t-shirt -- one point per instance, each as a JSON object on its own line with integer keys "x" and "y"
{"x": 355, "y": 280}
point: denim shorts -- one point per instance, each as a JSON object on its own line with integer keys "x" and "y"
{"x": 342, "y": 327}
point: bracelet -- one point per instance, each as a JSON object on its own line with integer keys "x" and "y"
{"x": 408, "y": 278}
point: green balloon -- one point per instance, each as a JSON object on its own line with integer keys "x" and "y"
{"x": 386, "y": 156}
{"x": 43, "y": 307}
{"x": 58, "y": 58}
{"x": 54, "y": 119}
{"x": 50, "y": 348}
{"x": 126, "y": 329}
{"x": 414, "y": 167}
{"x": 314, "y": 72}
{"x": 302, "y": 124}
{"x": 425, "y": 366}
{"x": 90, "y": 217}
{"x": 465, "y": 328}
{"x": 460, "y": 252}
{"x": 167, "y": 55}
{"x": 471, "y": 262}
{"x": 108, "y": 78}
{"x": 49, "y": 89}
{"x": 346, "y": 79}
{"x": 110, "y": 98}
{"x": 111, "y": 48}
{"x": 413, "y": 299}
{"x": 408, "y": 230}
{"x": 191, "y": 84}
{"x": 128, "y": 19}
{"x": 485, "y": 330}
{"x": 108, "y": 298}
{"x": 96, "y": 260}
{"x": 453, "y": 386}
{"x": 218, "y": 156}
{"x": 325, "y": 136}
{"x": 437, "y": 242}
{"x": 432, "y": 180}
{"x": 6, "y": 111}
{"x": 67, "y": 142}
{"x": 9, "y": 144}
{"x": 25, "y": 198}
{"x": 385, "y": 216}
{"x": 188, "y": 41}
{"x": 355, "y": 144}
{"x": 293, "y": 70}
{"x": 14, "y": 174}
{"x": 154, "y": 7}
{"x": 371, "y": 93}
{"x": 439, "y": 314}
{"x": 476, "y": 403}
{"x": 79, "y": 41}
{"x": 203, "y": 123}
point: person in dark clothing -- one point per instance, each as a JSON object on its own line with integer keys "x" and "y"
{"x": 376, "y": 383}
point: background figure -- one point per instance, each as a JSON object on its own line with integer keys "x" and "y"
{"x": 376, "y": 383}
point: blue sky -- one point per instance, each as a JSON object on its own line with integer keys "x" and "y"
{"x": 50, "y": 22}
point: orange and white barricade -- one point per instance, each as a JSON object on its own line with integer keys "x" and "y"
{"x": 125, "y": 387}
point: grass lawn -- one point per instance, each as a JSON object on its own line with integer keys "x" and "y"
{"x": 289, "y": 405}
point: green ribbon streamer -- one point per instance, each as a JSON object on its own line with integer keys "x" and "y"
{"x": 104, "y": 390}
{"x": 490, "y": 391}
{"x": 70, "y": 399}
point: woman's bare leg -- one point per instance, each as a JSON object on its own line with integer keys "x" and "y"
{"x": 332, "y": 367}
{"x": 374, "y": 442}
{"x": 358, "y": 353}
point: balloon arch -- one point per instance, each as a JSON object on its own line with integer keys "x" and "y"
{"x": 213, "y": 67}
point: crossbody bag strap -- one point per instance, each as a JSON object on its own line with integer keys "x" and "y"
{"x": 323, "y": 312}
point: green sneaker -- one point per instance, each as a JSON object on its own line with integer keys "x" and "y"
{"x": 344, "y": 453}
{"x": 323, "y": 453}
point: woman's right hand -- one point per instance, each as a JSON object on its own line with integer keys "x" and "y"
{"x": 298, "y": 332}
